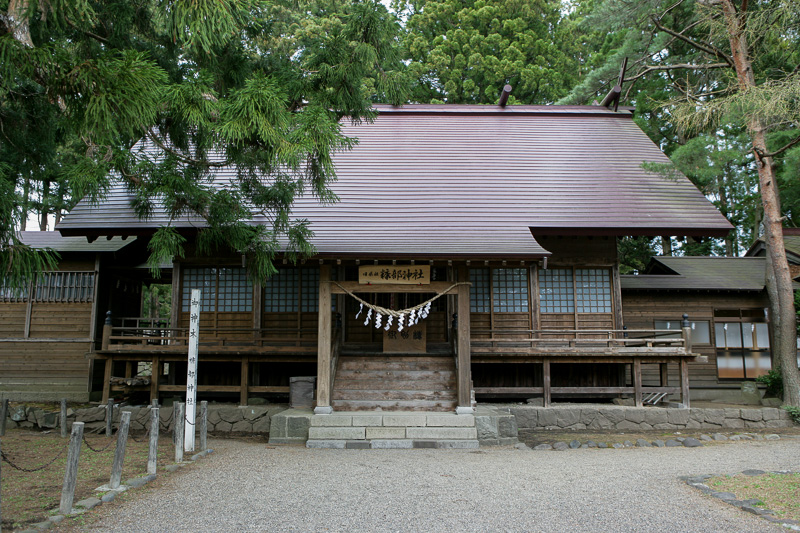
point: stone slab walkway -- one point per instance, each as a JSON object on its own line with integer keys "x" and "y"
{"x": 247, "y": 486}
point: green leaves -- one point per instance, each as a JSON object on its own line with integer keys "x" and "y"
{"x": 465, "y": 51}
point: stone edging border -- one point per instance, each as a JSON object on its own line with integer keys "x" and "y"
{"x": 688, "y": 442}
{"x": 750, "y": 506}
{"x": 109, "y": 495}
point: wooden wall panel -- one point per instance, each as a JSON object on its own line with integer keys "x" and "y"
{"x": 44, "y": 360}
{"x": 61, "y": 320}
{"x": 12, "y": 319}
{"x": 640, "y": 310}
{"x": 478, "y": 322}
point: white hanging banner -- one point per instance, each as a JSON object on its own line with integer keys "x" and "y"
{"x": 191, "y": 371}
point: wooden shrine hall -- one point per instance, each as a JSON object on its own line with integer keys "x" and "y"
{"x": 472, "y": 255}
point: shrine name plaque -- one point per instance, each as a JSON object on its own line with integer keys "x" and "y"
{"x": 398, "y": 274}
{"x": 410, "y": 340}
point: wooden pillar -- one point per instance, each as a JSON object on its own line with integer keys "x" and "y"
{"x": 546, "y": 383}
{"x": 155, "y": 373}
{"x": 245, "y": 379}
{"x": 107, "y": 379}
{"x": 685, "y": 382}
{"x": 324, "y": 343}
{"x": 664, "y": 370}
{"x": 637, "y": 382}
{"x": 175, "y": 311}
{"x": 464, "y": 355}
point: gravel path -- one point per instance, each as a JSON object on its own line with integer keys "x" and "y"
{"x": 246, "y": 486}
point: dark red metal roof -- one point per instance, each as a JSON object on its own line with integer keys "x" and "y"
{"x": 447, "y": 180}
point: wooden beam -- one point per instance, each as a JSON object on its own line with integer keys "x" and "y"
{"x": 324, "y": 342}
{"x": 664, "y": 374}
{"x": 464, "y": 356}
{"x": 356, "y": 287}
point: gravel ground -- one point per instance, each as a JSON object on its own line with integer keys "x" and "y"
{"x": 249, "y": 486}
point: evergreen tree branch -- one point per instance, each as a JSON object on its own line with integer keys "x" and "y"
{"x": 761, "y": 154}
{"x": 705, "y": 47}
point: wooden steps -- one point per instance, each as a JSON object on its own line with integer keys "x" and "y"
{"x": 395, "y": 383}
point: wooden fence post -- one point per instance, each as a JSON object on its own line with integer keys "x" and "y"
{"x": 63, "y": 417}
{"x": 119, "y": 453}
{"x": 109, "y": 417}
{"x": 203, "y": 426}
{"x": 178, "y": 429}
{"x": 71, "y": 473}
{"x": 3, "y": 417}
{"x": 152, "y": 454}
{"x": 1, "y": 488}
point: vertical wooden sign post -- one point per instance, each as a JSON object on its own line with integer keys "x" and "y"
{"x": 191, "y": 372}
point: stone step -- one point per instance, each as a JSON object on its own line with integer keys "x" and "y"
{"x": 394, "y": 405}
{"x": 395, "y": 419}
{"x": 394, "y": 444}
{"x": 362, "y": 433}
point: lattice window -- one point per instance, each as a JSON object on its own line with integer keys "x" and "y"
{"x": 234, "y": 291}
{"x": 510, "y": 290}
{"x": 593, "y": 290}
{"x": 480, "y": 290}
{"x": 57, "y": 287}
{"x": 226, "y": 289}
{"x": 13, "y": 294}
{"x": 556, "y": 291}
{"x": 309, "y": 290}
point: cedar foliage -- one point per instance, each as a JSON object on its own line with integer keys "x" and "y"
{"x": 159, "y": 94}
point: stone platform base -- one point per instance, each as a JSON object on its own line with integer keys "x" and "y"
{"x": 594, "y": 417}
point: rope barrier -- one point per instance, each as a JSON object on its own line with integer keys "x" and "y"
{"x": 5, "y": 458}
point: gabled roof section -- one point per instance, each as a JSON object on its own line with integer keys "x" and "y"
{"x": 477, "y": 181}
{"x": 791, "y": 241}
{"x": 700, "y": 273}
{"x": 54, "y": 240}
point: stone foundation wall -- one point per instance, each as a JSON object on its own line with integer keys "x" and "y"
{"x": 221, "y": 418}
{"x": 645, "y": 418}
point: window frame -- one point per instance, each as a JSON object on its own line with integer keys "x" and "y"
{"x": 243, "y": 298}
{"x": 576, "y": 304}
{"x": 742, "y": 316}
{"x": 486, "y": 298}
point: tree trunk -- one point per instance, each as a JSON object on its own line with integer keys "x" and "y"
{"x": 45, "y": 205}
{"x": 778, "y": 279}
{"x": 666, "y": 245}
{"x": 26, "y": 194}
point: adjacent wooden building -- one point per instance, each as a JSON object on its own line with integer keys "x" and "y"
{"x": 502, "y": 221}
